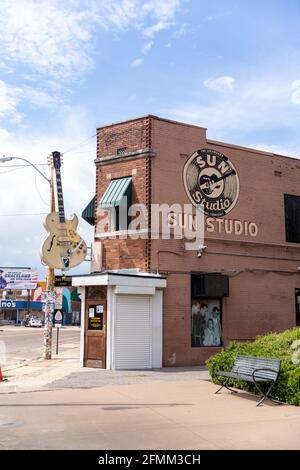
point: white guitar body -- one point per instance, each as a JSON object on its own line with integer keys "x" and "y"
{"x": 62, "y": 248}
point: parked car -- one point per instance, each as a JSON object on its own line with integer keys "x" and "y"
{"x": 35, "y": 322}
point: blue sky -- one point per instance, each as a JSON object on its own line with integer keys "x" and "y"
{"x": 68, "y": 67}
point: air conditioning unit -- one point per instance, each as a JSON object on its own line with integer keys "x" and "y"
{"x": 210, "y": 285}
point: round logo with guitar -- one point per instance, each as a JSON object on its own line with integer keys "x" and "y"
{"x": 211, "y": 182}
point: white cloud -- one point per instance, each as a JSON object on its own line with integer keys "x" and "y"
{"x": 160, "y": 26}
{"x": 147, "y": 47}
{"x": 54, "y": 38}
{"x": 162, "y": 9}
{"x": 122, "y": 15}
{"x": 137, "y": 62}
{"x": 9, "y": 99}
{"x": 183, "y": 29}
{"x": 48, "y": 37}
{"x": 255, "y": 106}
{"x": 221, "y": 84}
{"x": 52, "y": 42}
{"x": 296, "y": 92}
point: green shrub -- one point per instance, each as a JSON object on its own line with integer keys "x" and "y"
{"x": 277, "y": 345}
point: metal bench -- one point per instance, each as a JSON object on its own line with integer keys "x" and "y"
{"x": 257, "y": 370}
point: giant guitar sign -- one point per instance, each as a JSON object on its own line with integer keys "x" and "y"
{"x": 63, "y": 247}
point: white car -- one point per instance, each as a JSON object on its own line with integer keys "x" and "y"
{"x": 35, "y": 322}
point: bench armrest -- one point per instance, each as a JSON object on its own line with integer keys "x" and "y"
{"x": 267, "y": 369}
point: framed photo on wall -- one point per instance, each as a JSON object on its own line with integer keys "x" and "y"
{"x": 206, "y": 323}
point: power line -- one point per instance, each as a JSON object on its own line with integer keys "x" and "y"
{"x": 79, "y": 144}
{"x": 24, "y": 164}
{"x": 37, "y": 190}
{"x": 86, "y": 151}
{"x": 10, "y": 171}
{"x": 21, "y": 215}
{"x": 18, "y": 167}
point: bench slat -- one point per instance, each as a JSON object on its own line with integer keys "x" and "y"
{"x": 247, "y": 378}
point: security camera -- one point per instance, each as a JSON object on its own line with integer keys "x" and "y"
{"x": 200, "y": 250}
{"x": 298, "y": 268}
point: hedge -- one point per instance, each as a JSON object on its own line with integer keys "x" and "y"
{"x": 284, "y": 346}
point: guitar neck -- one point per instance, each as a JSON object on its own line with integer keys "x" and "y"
{"x": 59, "y": 194}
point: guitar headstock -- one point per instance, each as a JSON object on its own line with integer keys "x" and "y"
{"x": 55, "y": 160}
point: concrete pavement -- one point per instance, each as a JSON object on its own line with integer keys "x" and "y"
{"x": 24, "y": 367}
{"x": 153, "y": 415}
{"x": 57, "y": 405}
{"x": 24, "y": 344}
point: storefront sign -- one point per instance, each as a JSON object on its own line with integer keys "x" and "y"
{"x": 231, "y": 226}
{"x": 8, "y": 304}
{"x": 211, "y": 182}
{"x": 95, "y": 317}
{"x": 20, "y": 304}
{"x": 18, "y": 279}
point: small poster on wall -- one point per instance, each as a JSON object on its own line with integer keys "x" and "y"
{"x": 95, "y": 317}
{"x": 91, "y": 312}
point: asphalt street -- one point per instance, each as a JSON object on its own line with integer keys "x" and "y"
{"x": 21, "y": 344}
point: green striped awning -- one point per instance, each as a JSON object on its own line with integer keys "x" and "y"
{"x": 88, "y": 214}
{"x": 116, "y": 190}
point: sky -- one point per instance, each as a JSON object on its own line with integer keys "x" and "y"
{"x": 68, "y": 67}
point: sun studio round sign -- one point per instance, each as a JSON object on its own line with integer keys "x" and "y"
{"x": 211, "y": 182}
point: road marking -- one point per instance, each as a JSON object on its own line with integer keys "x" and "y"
{"x": 31, "y": 333}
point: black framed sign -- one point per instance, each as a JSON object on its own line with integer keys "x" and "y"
{"x": 95, "y": 316}
{"x": 206, "y": 323}
{"x": 63, "y": 281}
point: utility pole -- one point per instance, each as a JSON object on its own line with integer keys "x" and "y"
{"x": 50, "y": 294}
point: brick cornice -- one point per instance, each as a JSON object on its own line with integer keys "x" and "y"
{"x": 101, "y": 161}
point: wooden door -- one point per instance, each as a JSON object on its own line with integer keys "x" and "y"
{"x": 95, "y": 332}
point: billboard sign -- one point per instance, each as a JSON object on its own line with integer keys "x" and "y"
{"x": 18, "y": 278}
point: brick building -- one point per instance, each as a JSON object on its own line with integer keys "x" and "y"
{"x": 244, "y": 278}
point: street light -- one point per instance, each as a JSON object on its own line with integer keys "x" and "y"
{"x": 49, "y": 297}
{"x": 8, "y": 159}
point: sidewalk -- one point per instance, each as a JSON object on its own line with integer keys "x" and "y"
{"x": 172, "y": 408}
{"x": 64, "y": 372}
{"x": 37, "y": 373}
{"x": 154, "y": 415}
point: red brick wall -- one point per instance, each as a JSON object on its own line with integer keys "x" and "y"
{"x": 132, "y": 136}
{"x": 263, "y": 270}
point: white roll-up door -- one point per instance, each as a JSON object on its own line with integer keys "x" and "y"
{"x": 133, "y": 332}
